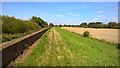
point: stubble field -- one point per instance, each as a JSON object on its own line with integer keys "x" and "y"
{"x": 110, "y": 35}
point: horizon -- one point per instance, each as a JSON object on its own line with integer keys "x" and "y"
{"x": 63, "y": 12}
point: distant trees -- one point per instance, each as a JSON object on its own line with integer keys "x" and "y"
{"x": 118, "y": 25}
{"x": 60, "y": 25}
{"x": 68, "y": 25}
{"x": 101, "y": 25}
{"x": 112, "y": 25}
{"x": 105, "y": 26}
{"x": 95, "y": 25}
{"x": 51, "y": 24}
{"x": 83, "y": 25}
{"x": 91, "y": 25}
{"x": 98, "y": 24}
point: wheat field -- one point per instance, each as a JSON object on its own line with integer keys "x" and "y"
{"x": 110, "y": 35}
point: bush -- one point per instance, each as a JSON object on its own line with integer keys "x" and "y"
{"x": 86, "y": 34}
{"x": 33, "y": 26}
{"x": 11, "y": 25}
{"x": 13, "y": 28}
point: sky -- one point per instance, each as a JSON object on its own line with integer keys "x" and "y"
{"x": 60, "y": 0}
{"x": 63, "y": 12}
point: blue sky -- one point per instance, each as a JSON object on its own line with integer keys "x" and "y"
{"x": 63, "y": 12}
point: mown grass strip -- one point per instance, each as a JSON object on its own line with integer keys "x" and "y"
{"x": 90, "y": 51}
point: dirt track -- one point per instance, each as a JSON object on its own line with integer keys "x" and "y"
{"x": 110, "y": 35}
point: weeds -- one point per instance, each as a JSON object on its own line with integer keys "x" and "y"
{"x": 86, "y": 34}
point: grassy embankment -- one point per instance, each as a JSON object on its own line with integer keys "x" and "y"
{"x": 59, "y": 47}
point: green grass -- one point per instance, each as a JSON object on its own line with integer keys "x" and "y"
{"x": 32, "y": 59}
{"x": 59, "y": 47}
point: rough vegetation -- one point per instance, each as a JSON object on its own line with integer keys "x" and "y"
{"x": 86, "y": 34}
{"x": 13, "y": 28}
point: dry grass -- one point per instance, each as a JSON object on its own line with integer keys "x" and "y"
{"x": 110, "y": 35}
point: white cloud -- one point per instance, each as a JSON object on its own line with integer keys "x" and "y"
{"x": 69, "y": 13}
{"x": 60, "y": 15}
{"x": 73, "y": 14}
{"x": 99, "y": 12}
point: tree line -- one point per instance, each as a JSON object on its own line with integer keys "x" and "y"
{"x": 101, "y": 25}
{"x": 113, "y": 25}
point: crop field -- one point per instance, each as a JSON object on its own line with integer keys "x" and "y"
{"x": 59, "y": 47}
{"x": 110, "y": 35}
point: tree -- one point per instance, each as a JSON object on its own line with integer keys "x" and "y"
{"x": 95, "y": 24}
{"x": 112, "y": 24}
{"x": 60, "y": 25}
{"x": 119, "y": 25}
{"x": 98, "y": 24}
{"x": 91, "y": 25}
{"x": 105, "y": 26}
{"x": 72, "y": 25}
{"x": 65, "y": 25}
{"x": 83, "y": 25}
{"x": 51, "y": 24}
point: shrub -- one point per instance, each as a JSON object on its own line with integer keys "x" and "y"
{"x": 86, "y": 34}
{"x": 12, "y": 25}
{"x": 33, "y": 26}
{"x": 13, "y": 28}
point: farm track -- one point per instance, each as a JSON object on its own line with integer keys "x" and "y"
{"x": 110, "y": 35}
{"x": 55, "y": 52}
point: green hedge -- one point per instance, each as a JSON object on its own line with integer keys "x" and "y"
{"x": 13, "y": 25}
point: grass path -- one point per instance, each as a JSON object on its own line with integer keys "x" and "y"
{"x": 59, "y": 47}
